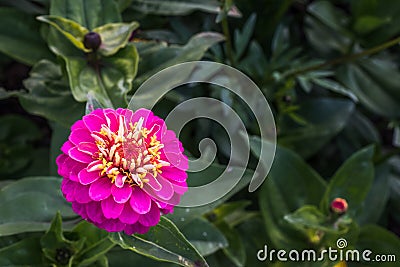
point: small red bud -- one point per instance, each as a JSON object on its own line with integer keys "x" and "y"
{"x": 339, "y": 205}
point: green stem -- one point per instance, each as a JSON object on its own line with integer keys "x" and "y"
{"x": 344, "y": 59}
{"x": 228, "y": 41}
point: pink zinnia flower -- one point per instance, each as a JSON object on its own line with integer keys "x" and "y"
{"x": 122, "y": 170}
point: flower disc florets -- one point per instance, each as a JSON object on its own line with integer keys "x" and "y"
{"x": 122, "y": 169}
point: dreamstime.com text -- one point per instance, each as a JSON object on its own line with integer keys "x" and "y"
{"x": 331, "y": 254}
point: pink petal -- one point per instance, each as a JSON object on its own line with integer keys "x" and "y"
{"x": 176, "y": 160}
{"x": 93, "y": 122}
{"x": 128, "y": 215}
{"x": 167, "y": 191}
{"x": 171, "y": 143}
{"x": 86, "y": 177}
{"x": 112, "y": 225}
{"x": 119, "y": 180}
{"x": 153, "y": 182}
{"x": 94, "y": 212}
{"x": 151, "y": 218}
{"x": 127, "y": 113}
{"x": 111, "y": 209}
{"x": 180, "y": 188}
{"x": 99, "y": 112}
{"x": 146, "y": 114}
{"x": 79, "y": 209}
{"x": 158, "y": 126}
{"x": 66, "y": 147}
{"x": 100, "y": 189}
{"x": 80, "y": 135}
{"x": 174, "y": 174}
{"x": 60, "y": 159}
{"x": 93, "y": 166}
{"x": 73, "y": 174}
{"x": 61, "y": 166}
{"x": 68, "y": 189}
{"x": 140, "y": 201}
{"x": 136, "y": 228}
{"x": 121, "y": 195}
{"x": 88, "y": 148}
{"x": 69, "y": 167}
{"x": 112, "y": 120}
{"x": 77, "y": 155}
{"x": 78, "y": 125}
{"x": 82, "y": 194}
{"x": 173, "y": 202}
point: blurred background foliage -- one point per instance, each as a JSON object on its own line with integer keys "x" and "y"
{"x": 330, "y": 70}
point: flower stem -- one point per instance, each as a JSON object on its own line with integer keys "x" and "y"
{"x": 344, "y": 59}
{"x": 228, "y": 41}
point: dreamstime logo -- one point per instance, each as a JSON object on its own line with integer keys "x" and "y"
{"x": 341, "y": 243}
{"x": 330, "y": 254}
{"x": 157, "y": 86}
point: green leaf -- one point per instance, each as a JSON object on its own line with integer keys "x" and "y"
{"x": 375, "y": 202}
{"x": 178, "y": 7}
{"x": 253, "y": 234}
{"x": 204, "y": 236}
{"x": 278, "y": 199}
{"x": 157, "y": 56}
{"x": 381, "y": 242}
{"x": 118, "y": 74}
{"x": 49, "y": 95}
{"x": 84, "y": 79}
{"x": 352, "y": 181}
{"x": 242, "y": 38}
{"x": 24, "y": 5}
{"x": 357, "y": 134}
{"x": 59, "y": 135}
{"x": 228, "y": 209}
{"x": 309, "y": 218}
{"x": 123, "y": 4}
{"x": 95, "y": 252}
{"x": 26, "y": 252}
{"x": 367, "y": 24}
{"x": 90, "y": 232}
{"x": 326, "y": 12}
{"x": 37, "y": 199}
{"x": 375, "y": 21}
{"x": 163, "y": 242}
{"x": 368, "y": 81}
{"x": 110, "y": 83}
{"x": 20, "y": 38}
{"x": 70, "y": 29}
{"x": 326, "y": 28}
{"x": 183, "y": 216}
{"x": 114, "y": 36}
{"x": 53, "y": 241}
{"x": 235, "y": 251}
{"x": 335, "y": 87}
{"x": 280, "y": 40}
{"x": 125, "y": 258}
{"x": 89, "y": 13}
{"x": 17, "y": 135}
{"x": 325, "y": 118}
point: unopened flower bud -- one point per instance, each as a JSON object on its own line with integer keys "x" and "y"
{"x": 339, "y": 205}
{"x": 92, "y": 40}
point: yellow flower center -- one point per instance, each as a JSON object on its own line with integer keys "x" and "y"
{"x": 129, "y": 154}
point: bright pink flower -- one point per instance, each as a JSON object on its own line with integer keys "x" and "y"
{"x": 122, "y": 170}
